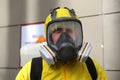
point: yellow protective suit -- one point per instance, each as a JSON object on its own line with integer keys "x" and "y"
{"x": 70, "y": 71}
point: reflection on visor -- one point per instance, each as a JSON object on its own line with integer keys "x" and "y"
{"x": 67, "y": 25}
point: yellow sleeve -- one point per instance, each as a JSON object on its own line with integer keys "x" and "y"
{"x": 100, "y": 71}
{"x": 24, "y": 73}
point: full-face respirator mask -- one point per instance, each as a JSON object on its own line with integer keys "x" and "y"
{"x": 64, "y": 39}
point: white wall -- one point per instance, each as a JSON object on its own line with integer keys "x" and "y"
{"x": 100, "y": 20}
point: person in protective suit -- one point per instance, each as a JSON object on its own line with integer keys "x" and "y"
{"x": 61, "y": 53}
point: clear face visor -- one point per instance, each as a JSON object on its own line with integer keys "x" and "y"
{"x": 72, "y": 28}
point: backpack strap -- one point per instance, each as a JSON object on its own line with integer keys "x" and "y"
{"x": 91, "y": 68}
{"x": 36, "y": 69}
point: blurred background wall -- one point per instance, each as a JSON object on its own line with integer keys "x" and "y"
{"x": 100, "y": 20}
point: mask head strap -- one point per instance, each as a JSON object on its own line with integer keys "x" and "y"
{"x": 71, "y": 11}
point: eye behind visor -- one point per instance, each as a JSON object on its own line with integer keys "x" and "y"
{"x": 60, "y": 30}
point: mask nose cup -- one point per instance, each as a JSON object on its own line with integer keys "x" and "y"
{"x": 64, "y": 38}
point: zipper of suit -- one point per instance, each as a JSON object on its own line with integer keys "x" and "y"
{"x": 64, "y": 69}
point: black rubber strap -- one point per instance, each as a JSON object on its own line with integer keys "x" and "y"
{"x": 36, "y": 69}
{"x": 91, "y": 68}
